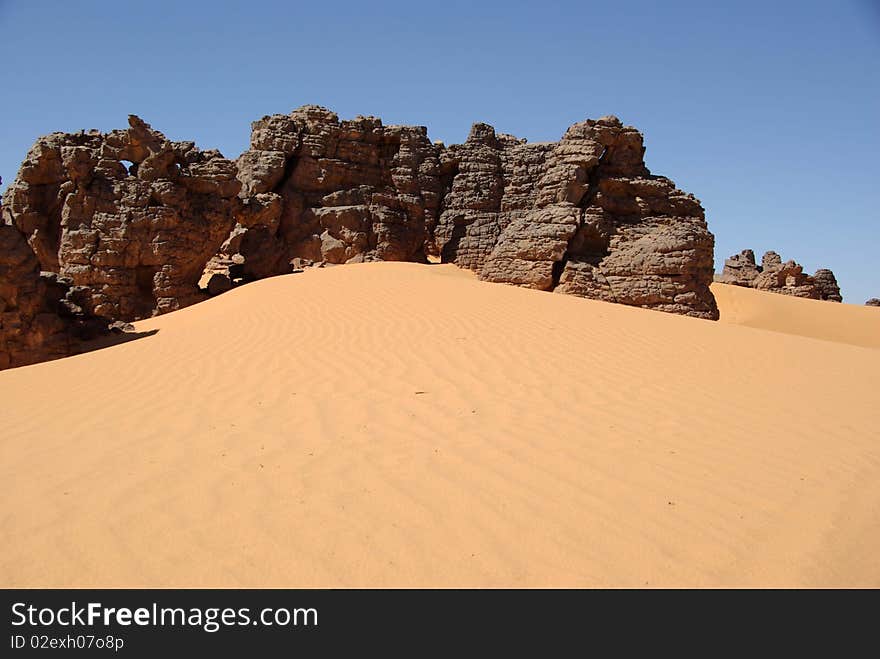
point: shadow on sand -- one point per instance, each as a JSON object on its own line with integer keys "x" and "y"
{"x": 113, "y": 339}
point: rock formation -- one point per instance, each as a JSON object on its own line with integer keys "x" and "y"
{"x": 321, "y": 190}
{"x": 775, "y": 276}
{"x": 135, "y": 237}
{"x": 39, "y": 317}
{"x": 130, "y": 222}
{"x": 826, "y": 282}
{"x": 582, "y": 216}
{"x": 873, "y": 302}
{"x": 741, "y": 269}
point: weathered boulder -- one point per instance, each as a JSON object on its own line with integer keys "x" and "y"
{"x": 218, "y": 283}
{"x": 775, "y": 276}
{"x": 128, "y": 216}
{"x": 827, "y": 285}
{"x": 873, "y": 302}
{"x": 581, "y": 216}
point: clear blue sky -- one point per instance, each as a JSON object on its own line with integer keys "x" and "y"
{"x": 767, "y": 111}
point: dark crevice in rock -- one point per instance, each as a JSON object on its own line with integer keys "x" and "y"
{"x": 450, "y": 249}
{"x": 144, "y": 278}
{"x": 447, "y": 178}
{"x": 593, "y": 180}
{"x": 289, "y": 165}
{"x": 585, "y": 202}
{"x": 556, "y": 271}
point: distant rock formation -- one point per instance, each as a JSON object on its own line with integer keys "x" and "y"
{"x": 827, "y": 284}
{"x": 873, "y": 302}
{"x": 130, "y": 223}
{"x": 775, "y": 276}
{"x": 741, "y": 269}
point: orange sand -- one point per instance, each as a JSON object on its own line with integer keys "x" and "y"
{"x": 856, "y": 325}
{"x": 402, "y": 425}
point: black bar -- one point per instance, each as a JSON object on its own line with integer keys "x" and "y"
{"x": 549, "y": 622}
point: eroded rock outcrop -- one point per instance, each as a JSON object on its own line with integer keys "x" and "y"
{"x": 581, "y": 216}
{"x": 740, "y": 269}
{"x": 873, "y": 302}
{"x": 129, "y": 217}
{"x": 827, "y": 284}
{"x": 321, "y": 190}
{"x": 130, "y": 222}
{"x": 39, "y": 317}
{"x": 775, "y": 276}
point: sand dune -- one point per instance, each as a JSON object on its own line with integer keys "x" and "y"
{"x": 403, "y": 425}
{"x": 854, "y": 324}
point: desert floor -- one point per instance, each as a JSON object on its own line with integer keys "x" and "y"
{"x": 394, "y": 424}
